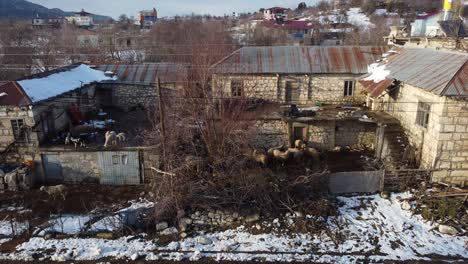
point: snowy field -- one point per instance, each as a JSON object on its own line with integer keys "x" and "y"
{"x": 372, "y": 229}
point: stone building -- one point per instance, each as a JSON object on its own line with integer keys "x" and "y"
{"x": 297, "y": 75}
{"x": 426, "y": 90}
{"x": 136, "y": 83}
{"x": 38, "y": 111}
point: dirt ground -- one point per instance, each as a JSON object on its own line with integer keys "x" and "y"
{"x": 347, "y": 160}
{"x": 37, "y": 206}
{"x": 80, "y": 199}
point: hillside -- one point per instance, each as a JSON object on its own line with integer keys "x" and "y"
{"x": 22, "y": 9}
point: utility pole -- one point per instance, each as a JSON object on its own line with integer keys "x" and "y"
{"x": 162, "y": 120}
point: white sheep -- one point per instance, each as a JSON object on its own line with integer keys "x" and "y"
{"x": 111, "y": 138}
{"x": 278, "y": 154}
{"x": 299, "y": 144}
{"x": 121, "y": 137}
{"x": 56, "y": 190}
{"x": 260, "y": 157}
{"x": 11, "y": 180}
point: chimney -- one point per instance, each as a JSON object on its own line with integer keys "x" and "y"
{"x": 448, "y": 10}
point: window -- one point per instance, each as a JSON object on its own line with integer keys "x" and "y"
{"x": 422, "y": 117}
{"x": 115, "y": 159}
{"x": 19, "y": 131}
{"x": 349, "y": 88}
{"x": 124, "y": 159}
{"x": 237, "y": 88}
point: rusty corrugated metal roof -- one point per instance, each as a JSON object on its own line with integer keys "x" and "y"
{"x": 376, "y": 89}
{"x": 147, "y": 73}
{"x": 301, "y": 59}
{"x": 15, "y": 96}
{"x": 441, "y": 72}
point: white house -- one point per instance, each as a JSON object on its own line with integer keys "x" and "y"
{"x": 275, "y": 13}
{"x": 427, "y": 25}
{"x": 81, "y": 19}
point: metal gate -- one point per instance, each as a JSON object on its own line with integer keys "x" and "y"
{"x": 119, "y": 167}
{"x": 52, "y": 168}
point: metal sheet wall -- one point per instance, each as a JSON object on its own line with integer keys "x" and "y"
{"x": 119, "y": 167}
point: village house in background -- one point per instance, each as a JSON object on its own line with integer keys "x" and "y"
{"x": 277, "y": 14}
{"x": 53, "y": 22}
{"x": 146, "y": 18}
{"x": 441, "y": 29}
{"x": 81, "y": 19}
{"x": 77, "y": 105}
{"x": 426, "y": 90}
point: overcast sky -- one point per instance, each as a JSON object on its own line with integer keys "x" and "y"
{"x": 115, "y": 8}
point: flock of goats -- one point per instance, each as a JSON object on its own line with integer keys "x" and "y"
{"x": 82, "y": 134}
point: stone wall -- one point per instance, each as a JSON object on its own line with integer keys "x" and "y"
{"x": 22, "y": 150}
{"x": 326, "y": 135}
{"x": 444, "y": 143}
{"x": 77, "y": 166}
{"x": 327, "y": 88}
{"x": 271, "y": 133}
{"x": 330, "y": 88}
{"x": 452, "y": 147}
{"x": 255, "y": 86}
{"x": 150, "y": 159}
{"x": 127, "y": 96}
{"x": 321, "y": 134}
{"x": 353, "y": 133}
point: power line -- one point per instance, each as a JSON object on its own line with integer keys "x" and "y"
{"x": 194, "y": 98}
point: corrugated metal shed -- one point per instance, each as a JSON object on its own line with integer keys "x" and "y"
{"x": 147, "y": 73}
{"x": 441, "y": 72}
{"x": 301, "y": 60}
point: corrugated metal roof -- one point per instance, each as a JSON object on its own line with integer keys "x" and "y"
{"x": 441, "y": 72}
{"x": 14, "y": 95}
{"x": 376, "y": 89}
{"x": 147, "y": 73}
{"x": 301, "y": 60}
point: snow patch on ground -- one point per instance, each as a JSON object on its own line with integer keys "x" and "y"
{"x": 11, "y": 228}
{"x": 69, "y": 224}
{"x": 373, "y": 228}
{"x": 399, "y": 234}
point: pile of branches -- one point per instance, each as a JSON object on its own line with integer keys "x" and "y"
{"x": 209, "y": 166}
{"x": 443, "y": 204}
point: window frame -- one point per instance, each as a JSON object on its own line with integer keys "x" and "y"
{"x": 423, "y": 114}
{"x": 347, "y": 90}
{"x": 18, "y": 129}
{"x": 237, "y": 88}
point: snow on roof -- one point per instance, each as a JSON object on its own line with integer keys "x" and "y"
{"x": 377, "y": 73}
{"x": 39, "y": 89}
